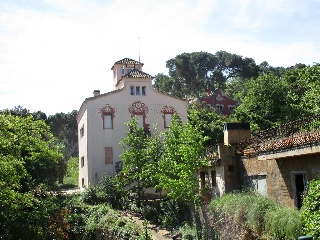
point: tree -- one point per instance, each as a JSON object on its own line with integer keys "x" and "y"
{"x": 140, "y": 156}
{"x": 209, "y": 121}
{"x": 192, "y": 71}
{"x": 65, "y": 129}
{"x": 194, "y": 74}
{"x": 310, "y": 215}
{"x": 23, "y": 112}
{"x": 31, "y": 142}
{"x": 269, "y": 100}
{"x": 183, "y": 147}
{"x": 28, "y": 160}
{"x": 166, "y": 84}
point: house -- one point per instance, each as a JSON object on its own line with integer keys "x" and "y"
{"x": 222, "y": 169}
{"x": 102, "y": 117}
{"x": 278, "y": 162}
{"x": 224, "y": 104}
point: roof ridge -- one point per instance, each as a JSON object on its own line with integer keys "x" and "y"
{"x": 136, "y": 73}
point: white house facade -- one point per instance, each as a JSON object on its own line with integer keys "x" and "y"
{"x": 101, "y": 118}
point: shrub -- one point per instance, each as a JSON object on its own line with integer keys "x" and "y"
{"x": 310, "y": 211}
{"x": 106, "y": 191}
{"x": 283, "y": 223}
{"x": 245, "y": 215}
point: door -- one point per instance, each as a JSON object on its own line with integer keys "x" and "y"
{"x": 299, "y": 181}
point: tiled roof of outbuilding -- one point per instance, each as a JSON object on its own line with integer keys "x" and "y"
{"x": 135, "y": 73}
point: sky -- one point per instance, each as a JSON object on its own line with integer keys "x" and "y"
{"x": 54, "y": 53}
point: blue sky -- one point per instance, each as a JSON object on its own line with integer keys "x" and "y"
{"x": 54, "y": 53}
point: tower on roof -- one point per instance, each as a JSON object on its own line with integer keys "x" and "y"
{"x": 123, "y": 67}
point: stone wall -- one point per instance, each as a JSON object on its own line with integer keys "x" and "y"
{"x": 281, "y": 174}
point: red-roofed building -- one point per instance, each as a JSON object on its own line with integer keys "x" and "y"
{"x": 222, "y": 102}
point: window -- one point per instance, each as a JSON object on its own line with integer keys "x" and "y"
{"x": 82, "y": 162}
{"x": 82, "y": 131}
{"x": 213, "y": 178}
{"x": 107, "y": 121}
{"x": 108, "y": 155}
{"x": 122, "y": 71}
{"x": 219, "y": 108}
{"x": 167, "y": 120}
{"x": 137, "y": 90}
{"x": 129, "y": 70}
{"x": 82, "y": 182}
{"x": 258, "y": 183}
{"x": 140, "y": 120}
{"x": 96, "y": 178}
{"x": 231, "y": 109}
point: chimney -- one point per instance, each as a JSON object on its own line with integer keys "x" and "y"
{"x": 96, "y": 93}
{"x": 235, "y": 132}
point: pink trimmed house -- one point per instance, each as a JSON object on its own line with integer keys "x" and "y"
{"x": 222, "y": 102}
{"x": 102, "y": 118}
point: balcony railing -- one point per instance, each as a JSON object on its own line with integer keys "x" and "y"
{"x": 297, "y": 133}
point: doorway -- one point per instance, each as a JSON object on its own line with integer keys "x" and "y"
{"x": 299, "y": 180}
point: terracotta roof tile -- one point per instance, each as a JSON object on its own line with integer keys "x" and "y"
{"x": 135, "y": 73}
{"x": 127, "y": 61}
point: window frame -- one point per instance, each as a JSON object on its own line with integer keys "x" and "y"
{"x": 82, "y": 131}
{"x": 104, "y": 121}
{"x": 137, "y": 90}
{"x": 166, "y": 125}
{"x": 143, "y": 119}
{"x": 143, "y": 91}
{"x": 82, "y": 162}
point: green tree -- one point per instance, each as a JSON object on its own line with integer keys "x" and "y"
{"x": 209, "y": 122}
{"x": 183, "y": 147}
{"x": 269, "y": 100}
{"x": 140, "y": 156}
{"x": 65, "y": 129}
{"x": 310, "y": 214}
{"x": 166, "y": 84}
{"x": 28, "y": 160}
{"x": 194, "y": 74}
{"x": 33, "y": 143}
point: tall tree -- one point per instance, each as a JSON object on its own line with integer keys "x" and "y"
{"x": 28, "y": 159}
{"x": 65, "y": 129}
{"x": 183, "y": 147}
{"x": 194, "y": 74}
{"x": 270, "y": 99}
{"x": 208, "y": 121}
{"x": 31, "y": 142}
{"x": 140, "y": 156}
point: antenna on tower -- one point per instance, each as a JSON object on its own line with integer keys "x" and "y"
{"x": 139, "y": 54}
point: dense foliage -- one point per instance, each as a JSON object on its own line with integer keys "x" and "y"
{"x": 194, "y": 74}
{"x": 272, "y": 99}
{"x": 140, "y": 157}
{"x": 209, "y": 122}
{"x": 183, "y": 147}
{"x": 250, "y": 216}
{"x": 310, "y": 214}
{"x": 28, "y": 166}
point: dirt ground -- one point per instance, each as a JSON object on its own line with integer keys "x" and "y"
{"x": 156, "y": 232}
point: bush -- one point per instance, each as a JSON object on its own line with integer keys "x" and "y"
{"x": 283, "y": 223}
{"x": 106, "y": 191}
{"x": 245, "y": 215}
{"x": 310, "y": 211}
{"x": 173, "y": 213}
